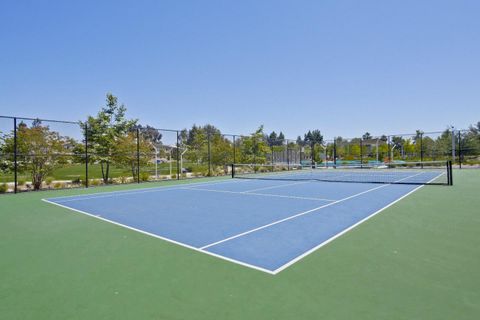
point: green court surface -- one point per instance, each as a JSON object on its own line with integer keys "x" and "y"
{"x": 418, "y": 259}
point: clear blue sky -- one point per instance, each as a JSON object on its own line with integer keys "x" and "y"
{"x": 344, "y": 67}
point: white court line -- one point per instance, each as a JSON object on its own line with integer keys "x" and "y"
{"x": 247, "y": 193}
{"x": 226, "y": 258}
{"x": 298, "y": 215}
{"x": 138, "y": 191}
{"x": 303, "y": 255}
{"x": 163, "y": 238}
{"x": 278, "y": 186}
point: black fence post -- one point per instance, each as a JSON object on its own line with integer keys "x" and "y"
{"x": 288, "y": 156}
{"x": 361, "y": 153}
{"x": 449, "y": 173}
{"x": 312, "y": 155}
{"x": 459, "y": 150}
{"x": 334, "y": 152}
{"x": 138, "y": 155}
{"x": 15, "y": 164}
{"x": 209, "y": 155}
{"x": 178, "y": 157}
{"x": 421, "y": 147}
{"x": 86, "y": 155}
{"x": 234, "y": 149}
{"x": 271, "y": 155}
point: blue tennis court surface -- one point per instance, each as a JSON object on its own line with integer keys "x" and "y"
{"x": 264, "y": 224}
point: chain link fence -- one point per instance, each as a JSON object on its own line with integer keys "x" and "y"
{"x": 39, "y": 154}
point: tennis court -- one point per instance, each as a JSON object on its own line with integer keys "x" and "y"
{"x": 267, "y": 222}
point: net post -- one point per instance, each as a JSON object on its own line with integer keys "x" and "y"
{"x": 178, "y": 157}
{"x": 138, "y": 155}
{"x": 449, "y": 173}
{"x": 15, "y": 163}
{"x": 233, "y": 170}
{"x": 86, "y": 154}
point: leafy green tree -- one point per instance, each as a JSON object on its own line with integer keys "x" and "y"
{"x": 367, "y": 136}
{"x": 39, "y": 150}
{"x": 197, "y": 144}
{"x": 300, "y": 142}
{"x": 313, "y": 138}
{"x": 254, "y": 147}
{"x": 418, "y": 143}
{"x": 150, "y": 134}
{"x": 475, "y": 129}
{"x": 221, "y": 150}
{"x": 428, "y": 145}
{"x": 125, "y": 152}
{"x": 104, "y": 131}
{"x": 443, "y": 144}
{"x": 272, "y": 138}
{"x": 197, "y": 141}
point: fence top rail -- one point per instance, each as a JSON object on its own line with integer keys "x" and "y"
{"x": 39, "y": 119}
{"x": 378, "y": 137}
{"x": 243, "y": 135}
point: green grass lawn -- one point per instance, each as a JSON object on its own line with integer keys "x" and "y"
{"x": 75, "y": 171}
{"x": 418, "y": 259}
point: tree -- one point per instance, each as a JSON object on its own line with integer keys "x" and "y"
{"x": 313, "y": 138}
{"x": 253, "y": 148}
{"x": 150, "y": 134}
{"x": 418, "y": 142}
{"x": 125, "y": 152}
{"x": 367, "y": 136}
{"x": 300, "y": 142}
{"x": 104, "y": 131}
{"x": 40, "y": 151}
{"x": 475, "y": 129}
{"x": 281, "y": 138}
{"x": 317, "y": 137}
{"x": 272, "y": 139}
{"x": 197, "y": 144}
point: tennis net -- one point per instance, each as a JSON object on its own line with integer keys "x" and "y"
{"x": 433, "y": 172}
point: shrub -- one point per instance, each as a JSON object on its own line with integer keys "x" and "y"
{"x": 49, "y": 181}
{"x": 21, "y": 182}
{"x": 58, "y": 185}
{"x": 144, "y": 176}
{"x": 76, "y": 181}
{"x": 123, "y": 179}
{"x": 3, "y": 188}
{"x": 94, "y": 182}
